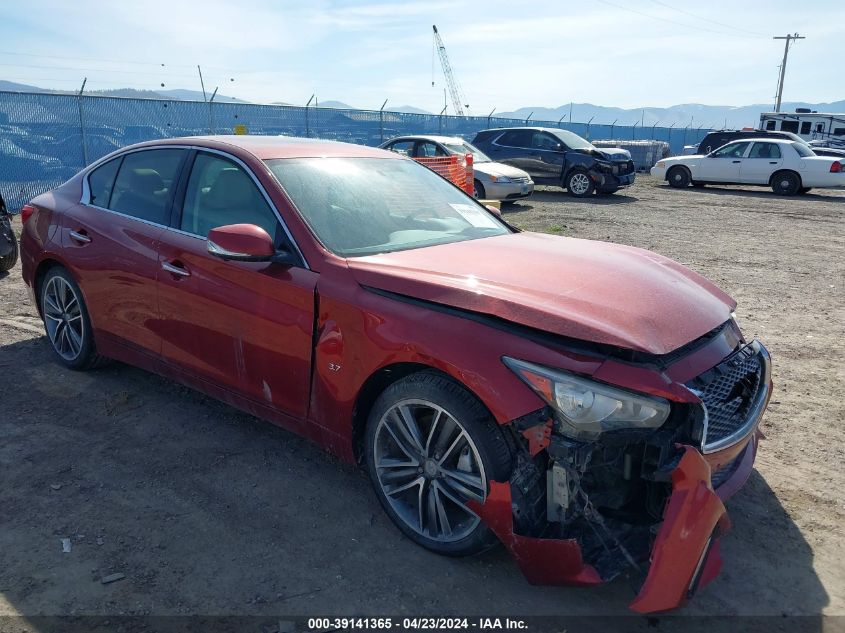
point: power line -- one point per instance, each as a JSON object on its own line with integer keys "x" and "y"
{"x": 669, "y": 21}
{"x": 701, "y": 17}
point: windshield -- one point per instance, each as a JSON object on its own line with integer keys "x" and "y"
{"x": 803, "y": 149}
{"x": 363, "y": 206}
{"x": 465, "y": 148}
{"x": 572, "y": 140}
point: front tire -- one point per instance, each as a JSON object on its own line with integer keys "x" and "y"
{"x": 478, "y": 190}
{"x": 429, "y": 447}
{"x": 66, "y": 320}
{"x": 579, "y": 184}
{"x": 679, "y": 177}
{"x": 786, "y": 183}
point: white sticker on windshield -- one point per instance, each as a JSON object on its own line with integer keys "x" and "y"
{"x": 475, "y": 216}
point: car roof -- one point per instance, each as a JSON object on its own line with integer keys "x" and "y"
{"x": 268, "y": 147}
{"x": 765, "y": 139}
{"x": 428, "y": 137}
{"x": 522, "y": 127}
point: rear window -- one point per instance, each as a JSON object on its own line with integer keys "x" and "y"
{"x": 100, "y": 182}
{"x": 803, "y": 150}
{"x": 145, "y": 182}
{"x": 515, "y": 138}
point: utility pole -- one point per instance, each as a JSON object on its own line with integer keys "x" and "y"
{"x": 788, "y": 39}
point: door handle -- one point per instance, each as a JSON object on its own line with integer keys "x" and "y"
{"x": 737, "y": 161}
{"x": 175, "y": 269}
{"x": 80, "y": 236}
{"x": 773, "y": 162}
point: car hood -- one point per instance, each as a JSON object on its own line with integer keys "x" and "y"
{"x": 606, "y": 153}
{"x": 587, "y": 290}
{"x": 499, "y": 169}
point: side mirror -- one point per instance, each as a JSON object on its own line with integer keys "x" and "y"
{"x": 241, "y": 242}
{"x": 494, "y": 210}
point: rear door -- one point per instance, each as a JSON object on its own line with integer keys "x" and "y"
{"x": 245, "y": 327}
{"x": 513, "y": 147}
{"x": 110, "y": 241}
{"x": 763, "y": 160}
{"x": 724, "y": 164}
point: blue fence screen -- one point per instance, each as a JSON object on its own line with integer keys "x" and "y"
{"x": 46, "y": 138}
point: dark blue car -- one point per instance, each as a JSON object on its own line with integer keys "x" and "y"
{"x": 558, "y": 157}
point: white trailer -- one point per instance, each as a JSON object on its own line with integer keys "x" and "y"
{"x": 809, "y": 125}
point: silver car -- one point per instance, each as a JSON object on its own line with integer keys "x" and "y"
{"x": 492, "y": 181}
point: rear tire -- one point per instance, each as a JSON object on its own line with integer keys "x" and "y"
{"x": 429, "y": 447}
{"x": 66, "y": 321}
{"x": 786, "y": 183}
{"x": 679, "y": 177}
{"x": 8, "y": 261}
{"x": 579, "y": 184}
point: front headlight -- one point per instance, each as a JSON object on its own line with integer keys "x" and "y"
{"x": 586, "y": 408}
{"x": 500, "y": 179}
{"x": 660, "y": 164}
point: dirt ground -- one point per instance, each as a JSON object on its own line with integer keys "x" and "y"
{"x": 206, "y": 510}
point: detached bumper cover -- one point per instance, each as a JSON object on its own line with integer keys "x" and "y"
{"x": 685, "y": 554}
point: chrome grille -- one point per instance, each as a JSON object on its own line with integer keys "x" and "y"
{"x": 733, "y": 394}
{"x": 520, "y": 179}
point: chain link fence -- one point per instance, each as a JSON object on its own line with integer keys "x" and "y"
{"x": 46, "y": 138}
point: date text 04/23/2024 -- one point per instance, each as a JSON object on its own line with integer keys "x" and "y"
{"x": 420, "y": 624}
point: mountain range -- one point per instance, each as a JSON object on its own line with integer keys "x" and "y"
{"x": 694, "y": 115}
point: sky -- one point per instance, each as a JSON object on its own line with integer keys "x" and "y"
{"x": 505, "y": 54}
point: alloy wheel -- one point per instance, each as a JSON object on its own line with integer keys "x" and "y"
{"x": 428, "y": 468}
{"x": 579, "y": 184}
{"x": 63, "y": 318}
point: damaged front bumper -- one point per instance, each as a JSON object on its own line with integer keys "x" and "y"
{"x": 684, "y": 557}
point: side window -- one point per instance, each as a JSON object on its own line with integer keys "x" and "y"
{"x": 764, "y": 150}
{"x": 101, "y": 181}
{"x": 220, "y": 192}
{"x": 406, "y": 148}
{"x": 145, "y": 182}
{"x": 515, "y": 138}
{"x": 427, "y": 149}
{"x": 840, "y": 131}
{"x": 731, "y": 150}
{"x": 770, "y": 125}
{"x": 541, "y": 140}
{"x": 820, "y": 128}
{"x": 789, "y": 126}
{"x": 805, "y": 127}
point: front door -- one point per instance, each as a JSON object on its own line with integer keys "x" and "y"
{"x": 245, "y": 327}
{"x": 763, "y": 160}
{"x": 723, "y": 165}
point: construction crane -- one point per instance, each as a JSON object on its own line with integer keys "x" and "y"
{"x": 458, "y": 97}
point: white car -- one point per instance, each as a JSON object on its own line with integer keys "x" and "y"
{"x": 786, "y": 166}
{"x": 492, "y": 181}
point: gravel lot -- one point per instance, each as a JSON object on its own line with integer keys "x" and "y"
{"x": 206, "y": 510}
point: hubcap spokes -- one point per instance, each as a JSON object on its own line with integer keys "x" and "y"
{"x": 63, "y": 318}
{"x": 428, "y": 467}
{"x": 579, "y": 183}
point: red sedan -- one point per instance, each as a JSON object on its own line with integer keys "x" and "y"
{"x": 589, "y": 405}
